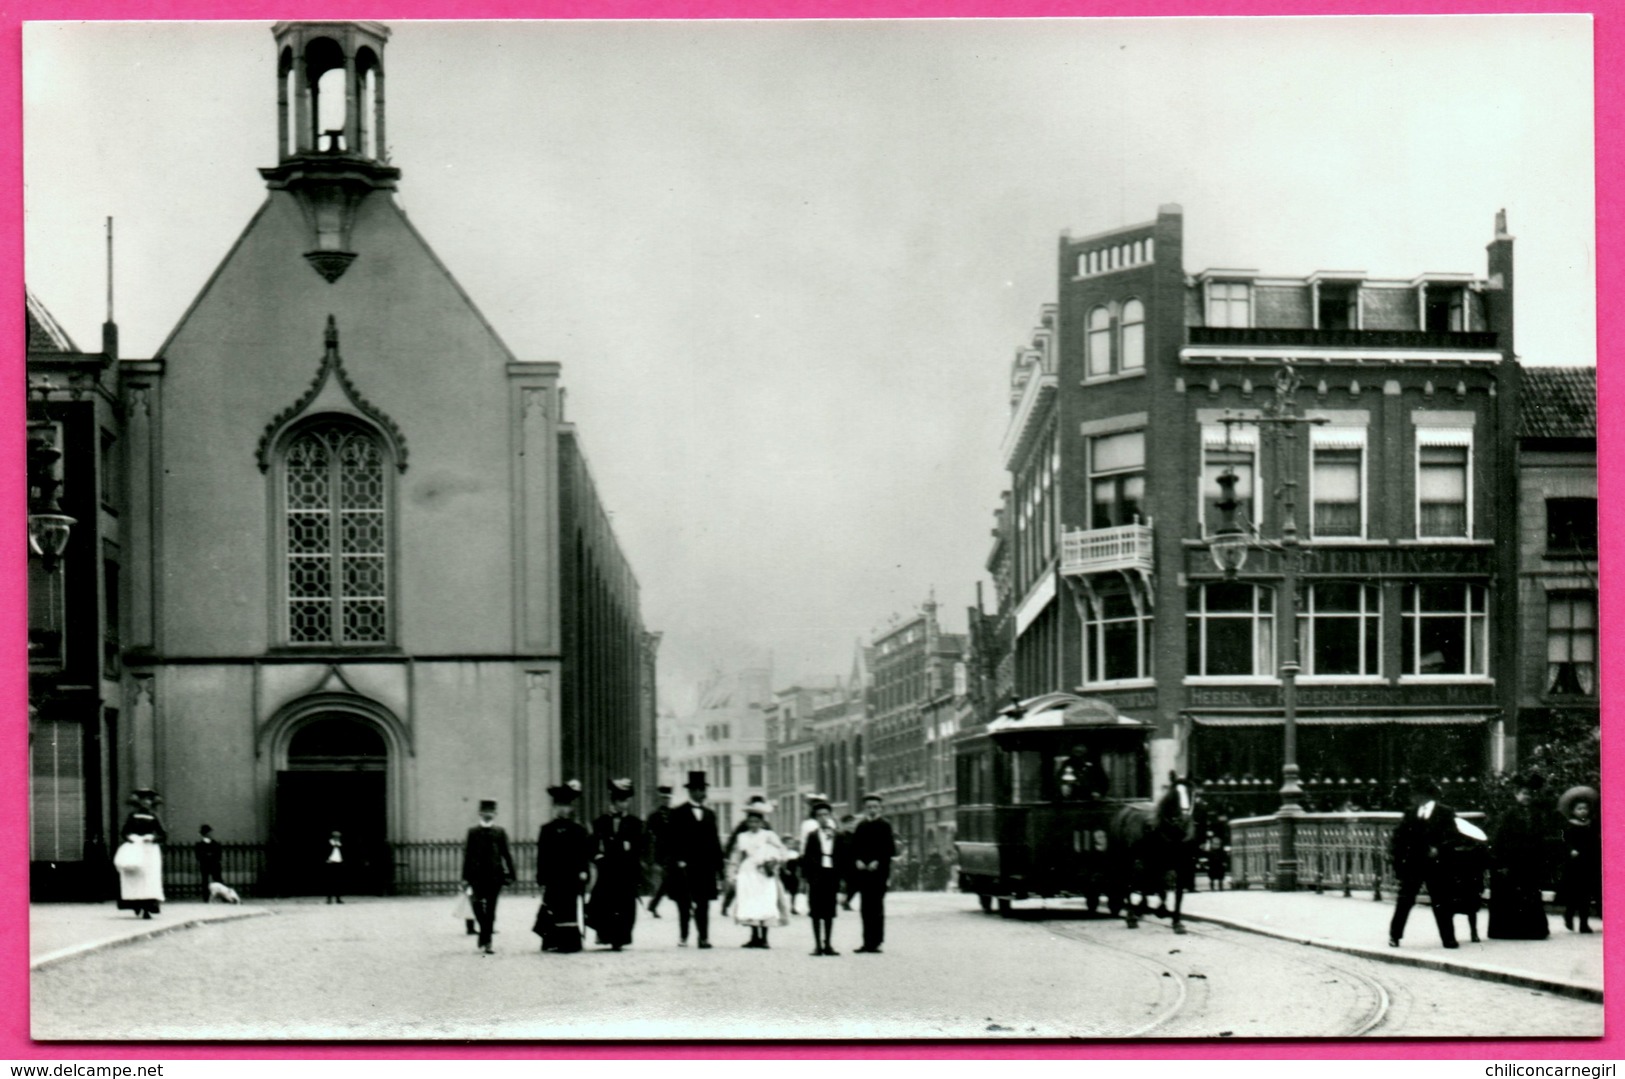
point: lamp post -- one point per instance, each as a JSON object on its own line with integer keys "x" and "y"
{"x": 1229, "y": 547}
{"x": 48, "y": 526}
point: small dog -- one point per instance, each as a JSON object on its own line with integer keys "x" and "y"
{"x": 221, "y": 892}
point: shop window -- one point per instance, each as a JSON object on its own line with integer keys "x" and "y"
{"x": 1116, "y": 638}
{"x": 1340, "y": 630}
{"x": 1230, "y": 631}
{"x": 1446, "y": 630}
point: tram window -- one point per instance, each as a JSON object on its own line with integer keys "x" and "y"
{"x": 1027, "y": 776}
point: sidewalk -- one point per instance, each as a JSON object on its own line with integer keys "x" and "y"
{"x": 58, "y": 931}
{"x": 1567, "y": 963}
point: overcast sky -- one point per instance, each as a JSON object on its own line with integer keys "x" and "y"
{"x": 786, "y": 265}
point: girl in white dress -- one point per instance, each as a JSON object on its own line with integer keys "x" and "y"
{"x": 754, "y": 867}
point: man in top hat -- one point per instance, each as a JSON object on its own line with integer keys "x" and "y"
{"x": 563, "y": 870}
{"x": 696, "y": 862}
{"x": 1420, "y": 842}
{"x": 657, "y": 847}
{"x": 618, "y": 856}
{"x": 874, "y": 845}
{"x": 487, "y": 866}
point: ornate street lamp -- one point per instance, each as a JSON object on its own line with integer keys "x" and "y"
{"x": 48, "y": 526}
{"x": 1228, "y": 547}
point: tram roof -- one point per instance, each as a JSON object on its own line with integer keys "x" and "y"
{"x": 1057, "y": 710}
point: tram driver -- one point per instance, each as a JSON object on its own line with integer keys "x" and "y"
{"x": 1080, "y": 777}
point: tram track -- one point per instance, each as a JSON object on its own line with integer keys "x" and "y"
{"x": 1193, "y": 1009}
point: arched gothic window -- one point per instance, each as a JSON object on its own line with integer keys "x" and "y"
{"x": 335, "y": 509}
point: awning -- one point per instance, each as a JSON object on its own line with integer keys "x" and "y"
{"x": 1210, "y": 720}
{"x": 1444, "y": 436}
{"x": 1337, "y": 438}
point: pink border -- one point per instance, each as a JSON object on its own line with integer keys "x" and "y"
{"x": 14, "y": 1039}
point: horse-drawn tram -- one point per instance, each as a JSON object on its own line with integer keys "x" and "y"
{"x": 1037, "y": 791}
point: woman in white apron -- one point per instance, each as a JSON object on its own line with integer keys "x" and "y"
{"x": 139, "y": 859}
{"x": 757, "y": 856}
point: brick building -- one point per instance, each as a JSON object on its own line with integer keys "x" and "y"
{"x": 912, "y": 665}
{"x": 1557, "y": 554}
{"x": 1114, "y": 446}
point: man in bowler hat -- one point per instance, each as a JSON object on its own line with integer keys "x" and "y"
{"x": 873, "y": 847}
{"x": 696, "y": 862}
{"x": 487, "y": 866}
{"x": 1420, "y": 841}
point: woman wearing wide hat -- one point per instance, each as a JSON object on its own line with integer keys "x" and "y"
{"x": 618, "y": 857}
{"x": 758, "y": 855}
{"x": 1520, "y": 844}
{"x": 140, "y": 859}
{"x": 563, "y": 870}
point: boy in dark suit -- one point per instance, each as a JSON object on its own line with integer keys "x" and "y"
{"x": 696, "y": 862}
{"x": 874, "y": 845}
{"x": 1420, "y": 840}
{"x": 487, "y": 866}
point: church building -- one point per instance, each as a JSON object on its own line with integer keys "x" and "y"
{"x": 367, "y": 580}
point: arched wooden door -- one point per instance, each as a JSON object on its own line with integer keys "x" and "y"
{"x": 335, "y": 780}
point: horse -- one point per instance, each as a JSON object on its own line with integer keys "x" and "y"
{"x": 1154, "y": 851}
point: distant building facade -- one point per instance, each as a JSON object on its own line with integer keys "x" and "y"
{"x": 912, "y": 666}
{"x": 726, "y": 737}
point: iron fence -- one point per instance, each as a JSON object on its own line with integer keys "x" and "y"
{"x": 1344, "y": 852}
{"x": 262, "y": 870}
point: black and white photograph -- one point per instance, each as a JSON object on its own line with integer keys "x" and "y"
{"x": 1069, "y": 528}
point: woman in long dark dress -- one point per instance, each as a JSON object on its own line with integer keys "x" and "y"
{"x": 140, "y": 858}
{"x": 1582, "y": 865}
{"x": 563, "y": 865}
{"x": 618, "y": 856}
{"x": 1519, "y": 848}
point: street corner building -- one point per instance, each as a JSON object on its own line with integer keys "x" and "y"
{"x": 1424, "y": 478}
{"x": 338, "y": 561}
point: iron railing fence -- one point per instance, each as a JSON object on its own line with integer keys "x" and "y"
{"x": 264, "y": 870}
{"x": 1344, "y": 852}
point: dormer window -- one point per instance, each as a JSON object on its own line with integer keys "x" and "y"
{"x": 1444, "y": 309}
{"x": 1229, "y": 304}
{"x": 1337, "y": 305}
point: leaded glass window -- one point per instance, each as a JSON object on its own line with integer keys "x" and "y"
{"x": 335, "y": 502}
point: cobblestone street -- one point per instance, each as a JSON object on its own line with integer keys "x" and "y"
{"x": 403, "y": 969}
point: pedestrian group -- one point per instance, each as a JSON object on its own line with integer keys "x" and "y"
{"x": 591, "y": 879}
{"x": 1433, "y": 848}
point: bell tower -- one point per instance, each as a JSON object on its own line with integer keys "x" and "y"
{"x": 331, "y": 152}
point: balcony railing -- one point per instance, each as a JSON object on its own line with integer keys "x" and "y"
{"x": 1472, "y": 341}
{"x": 1345, "y": 852}
{"x": 1100, "y": 550}
{"x": 262, "y": 870}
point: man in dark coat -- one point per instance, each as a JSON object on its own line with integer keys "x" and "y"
{"x": 487, "y": 866}
{"x": 1420, "y": 840}
{"x": 696, "y": 862}
{"x": 618, "y": 857}
{"x": 563, "y": 868}
{"x": 658, "y": 848}
{"x": 874, "y": 845}
{"x": 208, "y": 852}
